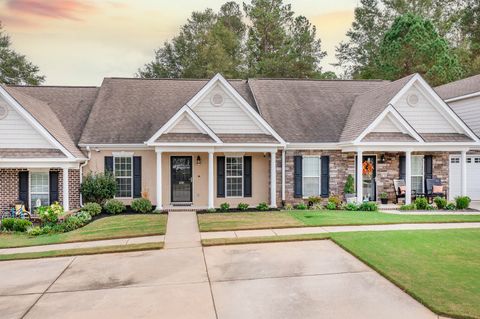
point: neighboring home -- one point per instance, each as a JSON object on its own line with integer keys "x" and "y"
{"x": 463, "y": 96}
{"x": 199, "y": 143}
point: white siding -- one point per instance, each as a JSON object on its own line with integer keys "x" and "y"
{"x": 16, "y": 132}
{"x": 228, "y": 118}
{"x": 423, "y": 117}
{"x": 469, "y": 112}
{"x": 185, "y": 125}
{"x": 386, "y": 125}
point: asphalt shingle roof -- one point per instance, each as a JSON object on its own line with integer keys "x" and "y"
{"x": 459, "y": 88}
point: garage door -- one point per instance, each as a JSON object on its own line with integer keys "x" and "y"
{"x": 473, "y": 177}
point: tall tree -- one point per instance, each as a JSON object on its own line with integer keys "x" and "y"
{"x": 413, "y": 45}
{"x": 14, "y": 67}
{"x": 469, "y": 50}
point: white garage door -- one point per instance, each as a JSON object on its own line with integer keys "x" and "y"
{"x": 473, "y": 177}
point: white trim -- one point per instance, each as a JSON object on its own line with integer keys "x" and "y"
{"x": 462, "y": 97}
{"x": 188, "y": 118}
{"x": 159, "y": 185}
{"x": 32, "y": 121}
{"x": 170, "y": 190}
{"x": 319, "y": 157}
{"x": 124, "y": 155}
{"x": 283, "y": 174}
{"x": 241, "y": 176}
{"x": 33, "y": 164}
{"x": 423, "y": 171}
{"x": 93, "y": 147}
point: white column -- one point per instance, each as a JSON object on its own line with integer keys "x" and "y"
{"x": 159, "y": 180}
{"x": 408, "y": 177}
{"x": 359, "y": 176}
{"x": 463, "y": 160}
{"x": 273, "y": 180}
{"x": 283, "y": 174}
{"x": 66, "y": 201}
{"x": 211, "y": 190}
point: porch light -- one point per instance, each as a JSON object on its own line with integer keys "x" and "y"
{"x": 382, "y": 158}
{"x": 199, "y": 161}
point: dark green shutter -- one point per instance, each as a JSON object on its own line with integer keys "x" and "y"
{"x": 137, "y": 176}
{"x": 325, "y": 176}
{"x": 53, "y": 177}
{"x": 402, "y": 168}
{"x": 109, "y": 164}
{"x": 428, "y": 169}
{"x": 220, "y": 176}
{"x": 247, "y": 176}
{"x": 297, "y": 176}
{"x": 23, "y": 188}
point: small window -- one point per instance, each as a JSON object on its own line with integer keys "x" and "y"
{"x": 311, "y": 176}
{"x": 39, "y": 189}
{"x": 469, "y": 160}
{"x": 234, "y": 176}
{"x": 455, "y": 160}
{"x": 477, "y": 160}
{"x": 123, "y": 175}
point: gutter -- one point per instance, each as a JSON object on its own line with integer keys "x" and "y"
{"x": 89, "y": 157}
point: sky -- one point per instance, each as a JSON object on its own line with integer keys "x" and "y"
{"x": 79, "y": 42}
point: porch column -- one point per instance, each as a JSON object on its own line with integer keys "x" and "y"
{"x": 359, "y": 176}
{"x": 211, "y": 190}
{"x": 273, "y": 180}
{"x": 408, "y": 177}
{"x": 66, "y": 201}
{"x": 463, "y": 160}
{"x": 283, "y": 174}
{"x": 159, "y": 180}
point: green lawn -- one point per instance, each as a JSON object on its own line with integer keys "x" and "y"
{"x": 105, "y": 228}
{"x": 258, "y": 220}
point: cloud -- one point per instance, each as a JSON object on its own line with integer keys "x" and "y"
{"x": 56, "y": 9}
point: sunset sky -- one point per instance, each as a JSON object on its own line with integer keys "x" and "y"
{"x": 78, "y": 42}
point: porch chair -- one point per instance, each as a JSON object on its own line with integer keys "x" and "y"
{"x": 430, "y": 194}
{"x": 399, "y": 193}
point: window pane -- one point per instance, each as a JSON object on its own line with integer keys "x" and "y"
{"x": 123, "y": 174}
{"x": 311, "y": 166}
{"x": 234, "y": 166}
{"x": 43, "y": 200}
{"x": 39, "y": 182}
{"x": 234, "y": 176}
{"x": 234, "y": 186}
{"x": 311, "y": 186}
{"x": 417, "y": 184}
{"x": 124, "y": 187}
{"x": 417, "y": 165}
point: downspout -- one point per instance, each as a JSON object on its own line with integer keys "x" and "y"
{"x": 89, "y": 157}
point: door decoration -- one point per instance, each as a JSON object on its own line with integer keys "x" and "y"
{"x": 367, "y": 168}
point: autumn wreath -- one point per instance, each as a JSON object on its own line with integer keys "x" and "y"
{"x": 367, "y": 168}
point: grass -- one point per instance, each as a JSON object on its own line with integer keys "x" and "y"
{"x": 238, "y": 221}
{"x": 82, "y": 251}
{"x": 121, "y": 226}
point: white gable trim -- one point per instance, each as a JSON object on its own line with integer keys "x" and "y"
{"x": 184, "y": 111}
{"x": 244, "y": 104}
{"x": 438, "y": 103}
{"x": 398, "y": 120}
{"x": 32, "y": 121}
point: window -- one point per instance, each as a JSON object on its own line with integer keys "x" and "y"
{"x": 39, "y": 189}
{"x": 455, "y": 160}
{"x": 311, "y": 176}
{"x": 123, "y": 175}
{"x": 234, "y": 176}
{"x": 477, "y": 160}
{"x": 417, "y": 174}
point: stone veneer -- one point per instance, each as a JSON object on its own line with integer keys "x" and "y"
{"x": 9, "y": 187}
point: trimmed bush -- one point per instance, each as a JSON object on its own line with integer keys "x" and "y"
{"x": 263, "y": 206}
{"x": 301, "y": 206}
{"x": 331, "y": 206}
{"x": 35, "y": 231}
{"x": 84, "y": 217}
{"x": 462, "y": 202}
{"x": 7, "y": 224}
{"x": 368, "y": 207}
{"x": 440, "y": 202}
{"x": 21, "y": 225}
{"x": 421, "y": 203}
{"x": 242, "y": 206}
{"x": 351, "y": 207}
{"x": 336, "y": 200}
{"x": 98, "y": 188}
{"x": 408, "y": 207}
{"x": 114, "y": 206}
{"x": 142, "y": 205}
{"x": 224, "y": 207}
{"x": 71, "y": 223}
{"x": 49, "y": 214}
{"x": 92, "y": 208}
{"x": 451, "y": 206}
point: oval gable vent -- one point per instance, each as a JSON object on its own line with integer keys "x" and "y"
{"x": 3, "y": 112}
{"x": 413, "y": 100}
{"x": 217, "y": 99}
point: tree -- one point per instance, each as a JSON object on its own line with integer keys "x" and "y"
{"x": 413, "y": 45}
{"x": 14, "y": 67}
{"x": 469, "y": 50}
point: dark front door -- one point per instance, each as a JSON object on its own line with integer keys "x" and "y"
{"x": 369, "y": 179}
{"x": 181, "y": 179}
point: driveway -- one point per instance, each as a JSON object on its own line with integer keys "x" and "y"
{"x": 314, "y": 279}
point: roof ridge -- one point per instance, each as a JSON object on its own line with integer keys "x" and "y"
{"x": 321, "y": 80}
{"x": 53, "y": 86}
{"x": 168, "y": 79}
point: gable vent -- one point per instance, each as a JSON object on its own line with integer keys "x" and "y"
{"x": 217, "y": 99}
{"x": 3, "y": 112}
{"x": 413, "y": 99}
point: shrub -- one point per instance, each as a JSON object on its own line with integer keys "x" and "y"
{"x": 92, "y": 208}
{"x": 430, "y": 207}
{"x": 368, "y": 207}
{"x": 421, "y": 203}
{"x": 224, "y": 207}
{"x": 21, "y": 225}
{"x": 49, "y": 214}
{"x": 142, "y": 205}
{"x": 263, "y": 206}
{"x": 408, "y": 207}
{"x": 440, "y": 202}
{"x": 462, "y": 202}
{"x": 242, "y": 206}
{"x": 301, "y": 206}
{"x": 71, "y": 223}
{"x": 289, "y": 207}
{"x": 383, "y": 195}
{"x": 313, "y": 200}
{"x": 451, "y": 206}
{"x": 336, "y": 200}
{"x": 7, "y": 224}
{"x": 98, "y": 188}
{"x": 349, "y": 185}
{"x": 84, "y": 217}
{"x": 35, "y": 231}
{"x": 114, "y": 206}
{"x": 331, "y": 206}
{"x": 351, "y": 207}
{"x": 211, "y": 210}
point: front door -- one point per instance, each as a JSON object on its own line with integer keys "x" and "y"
{"x": 181, "y": 179}
{"x": 369, "y": 177}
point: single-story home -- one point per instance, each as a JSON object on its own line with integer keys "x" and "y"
{"x": 199, "y": 143}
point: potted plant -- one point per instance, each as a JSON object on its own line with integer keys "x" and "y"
{"x": 384, "y": 198}
{"x": 349, "y": 190}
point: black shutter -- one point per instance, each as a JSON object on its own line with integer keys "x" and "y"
{"x": 325, "y": 176}
{"x": 23, "y": 188}
{"x": 247, "y": 176}
{"x": 220, "y": 176}
{"x": 428, "y": 169}
{"x": 297, "y": 176}
{"x": 109, "y": 164}
{"x": 137, "y": 176}
{"x": 53, "y": 176}
{"x": 401, "y": 168}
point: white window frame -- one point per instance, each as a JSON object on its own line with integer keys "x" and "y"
{"x": 241, "y": 176}
{"x": 319, "y": 175}
{"x": 115, "y": 157}
{"x": 30, "y": 192}
{"x": 423, "y": 172}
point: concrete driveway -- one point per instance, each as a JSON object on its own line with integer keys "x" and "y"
{"x": 315, "y": 279}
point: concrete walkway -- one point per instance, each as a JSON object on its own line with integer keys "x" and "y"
{"x": 332, "y": 229}
{"x": 182, "y": 230}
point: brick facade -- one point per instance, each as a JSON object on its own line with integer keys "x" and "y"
{"x": 9, "y": 187}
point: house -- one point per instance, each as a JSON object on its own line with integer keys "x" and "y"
{"x": 199, "y": 143}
